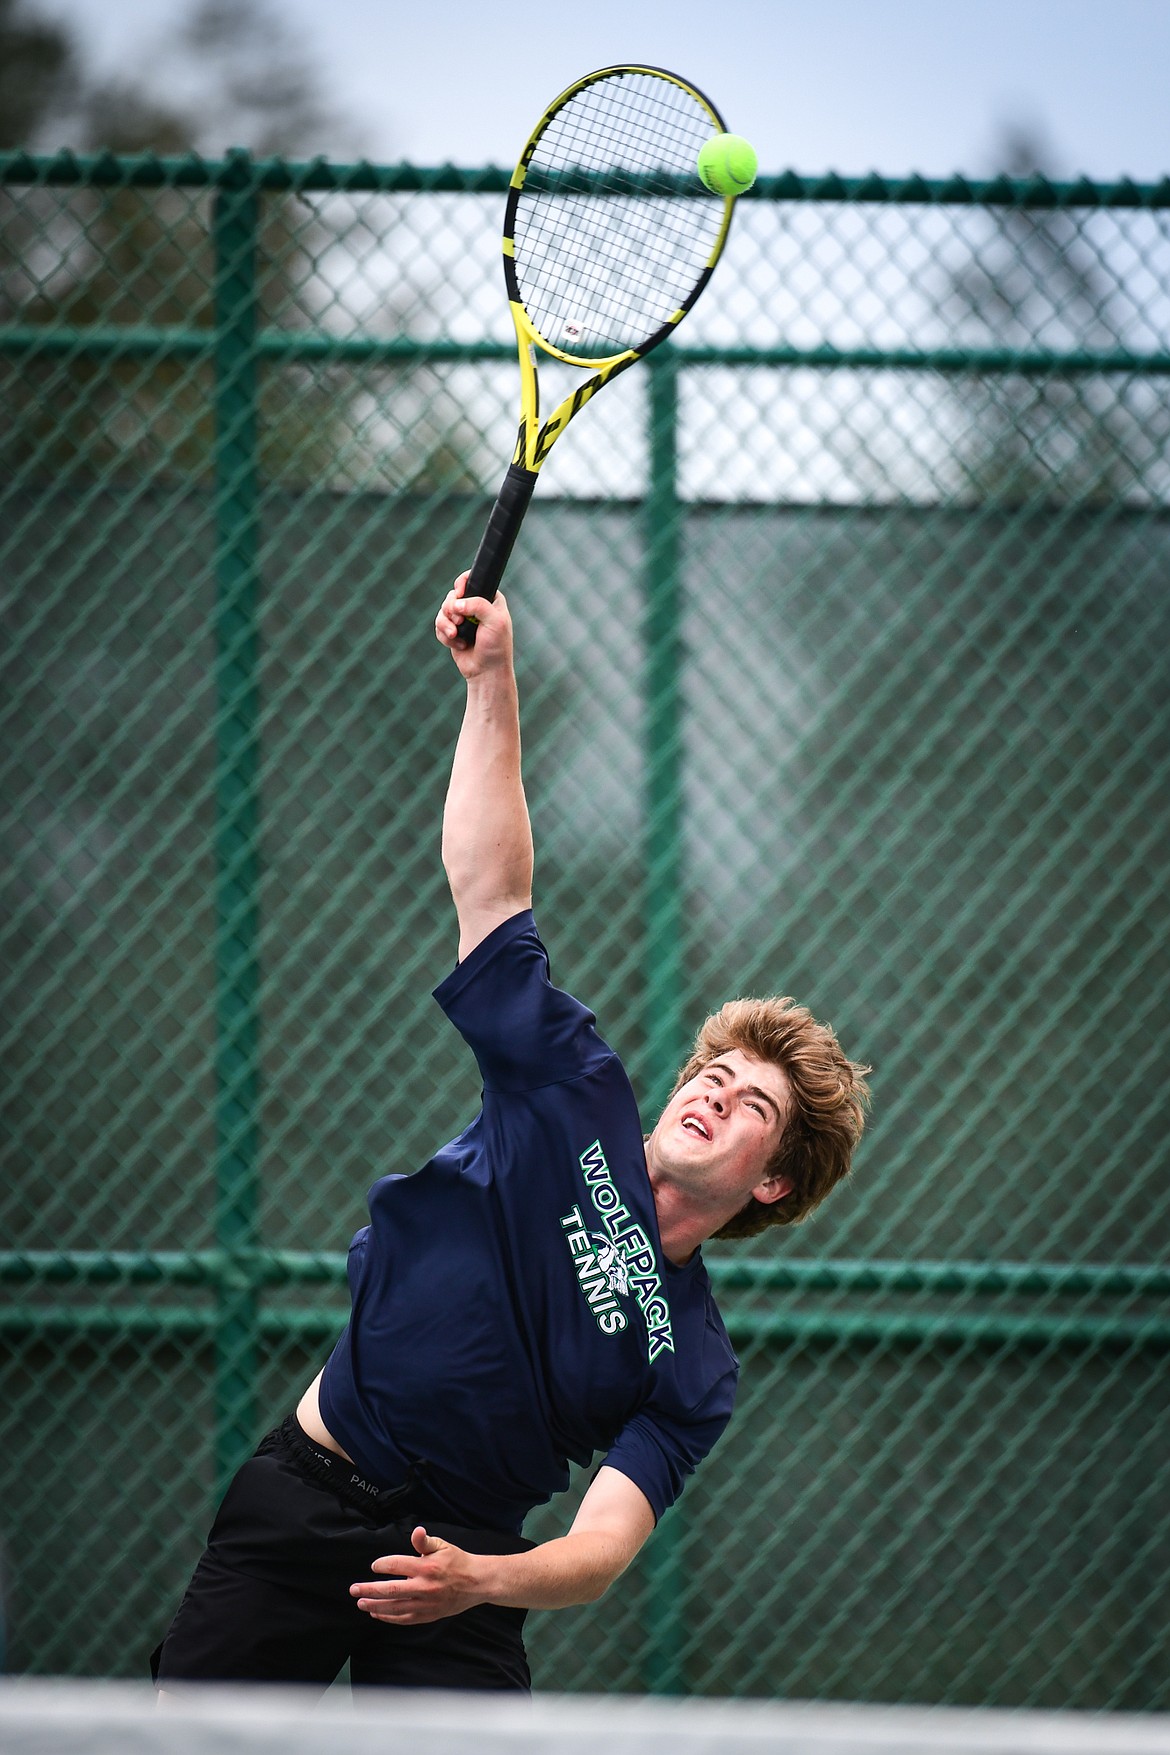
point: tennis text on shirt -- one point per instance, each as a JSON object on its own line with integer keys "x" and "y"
{"x": 617, "y": 1259}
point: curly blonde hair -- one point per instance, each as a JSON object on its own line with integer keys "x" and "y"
{"x": 826, "y": 1112}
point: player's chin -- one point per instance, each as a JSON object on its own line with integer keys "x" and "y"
{"x": 694, "y": 1141}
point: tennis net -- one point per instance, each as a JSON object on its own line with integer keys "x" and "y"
{"x": 45, "y": 1718}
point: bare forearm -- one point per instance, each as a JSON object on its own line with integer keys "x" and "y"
{"x": 443, "y": 1580}
{"x": 487, "y": 836}
{"x": 440, "y": 1579}
{"x": 556, "y": 1575}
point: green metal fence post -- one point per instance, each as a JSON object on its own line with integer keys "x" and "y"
{"x": 665, "y": 1026}
{"x": 235, "y": 222}
{"x": 664, "y": 1016}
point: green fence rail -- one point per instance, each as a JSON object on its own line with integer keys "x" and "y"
{"x": 862, "y": 696}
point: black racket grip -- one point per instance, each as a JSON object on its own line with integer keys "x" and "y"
{"x": 496, "y": 543}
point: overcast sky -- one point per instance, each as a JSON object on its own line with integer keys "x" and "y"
{"x": 846, "y": 85}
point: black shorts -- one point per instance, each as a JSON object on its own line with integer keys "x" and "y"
{"x": 269, "y": 1600}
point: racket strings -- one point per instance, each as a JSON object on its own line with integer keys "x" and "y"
{"x": 600, "y": 273}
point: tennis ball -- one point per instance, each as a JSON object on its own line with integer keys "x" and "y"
{"x": 727, "y": 164}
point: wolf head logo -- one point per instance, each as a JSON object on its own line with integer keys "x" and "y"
{"x": 611, "y": 1262}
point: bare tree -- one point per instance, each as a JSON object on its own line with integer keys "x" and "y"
{"x": 230, "y": 76}
{"x": 1039, "y": 282}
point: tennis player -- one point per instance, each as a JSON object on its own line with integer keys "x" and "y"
{"x": 535, "y": 1295}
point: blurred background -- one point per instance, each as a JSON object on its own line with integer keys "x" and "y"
{"x": 862, "y": 697}
{"x": 851, "y": 86}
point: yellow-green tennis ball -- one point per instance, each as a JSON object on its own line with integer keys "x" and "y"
{"x": 728, "y": 164}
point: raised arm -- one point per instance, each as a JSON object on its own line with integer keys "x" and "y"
{"x": 487, "y": 836}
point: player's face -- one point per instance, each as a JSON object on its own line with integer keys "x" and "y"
{"x": 717, "y": 1135}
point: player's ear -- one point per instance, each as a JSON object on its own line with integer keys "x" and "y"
{"x": 772, "y": 1189}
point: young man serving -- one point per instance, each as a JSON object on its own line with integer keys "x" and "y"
{"x": 533, "y": 1296}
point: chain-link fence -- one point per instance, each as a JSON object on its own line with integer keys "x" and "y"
{"x": 843, "y": 630}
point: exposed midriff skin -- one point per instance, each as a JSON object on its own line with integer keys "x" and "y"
{"x": 310, "y": 1421}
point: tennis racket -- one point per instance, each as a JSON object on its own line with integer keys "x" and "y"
{"x": 609, "y": 238}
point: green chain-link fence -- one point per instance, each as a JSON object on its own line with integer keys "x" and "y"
{"x": 844, "y": 630}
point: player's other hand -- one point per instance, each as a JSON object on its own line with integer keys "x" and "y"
{"x": 493, "y": 635}
{"x": 438, "y": 1579}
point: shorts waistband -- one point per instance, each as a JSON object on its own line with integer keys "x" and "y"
{"x": 331, "y": 1470}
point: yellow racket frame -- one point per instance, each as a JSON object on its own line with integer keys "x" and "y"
{"x": 534, "y": 440}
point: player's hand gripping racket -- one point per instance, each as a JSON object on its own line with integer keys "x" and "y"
{"x": 609, "y": 238}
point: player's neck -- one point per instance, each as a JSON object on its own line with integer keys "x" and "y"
{"x": 680, "y": 1228}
